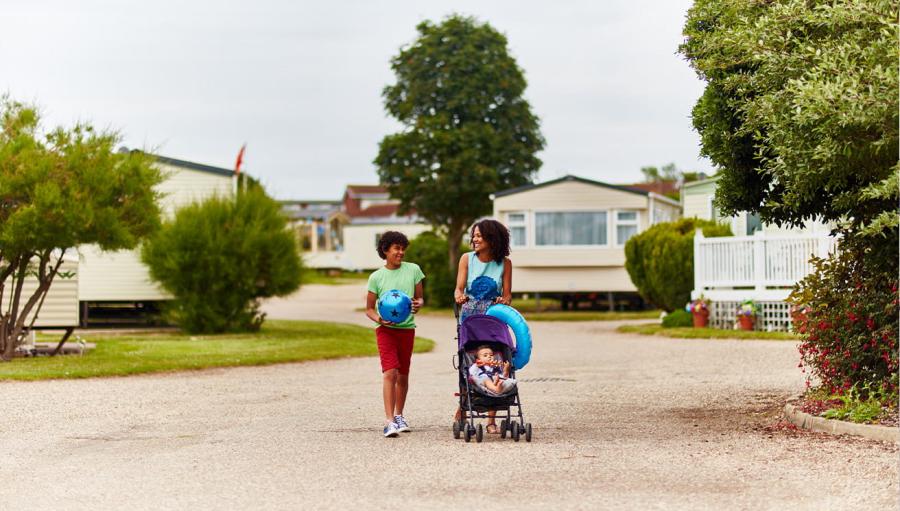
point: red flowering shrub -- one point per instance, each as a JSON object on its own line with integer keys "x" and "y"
{"x": 849, "y": 329}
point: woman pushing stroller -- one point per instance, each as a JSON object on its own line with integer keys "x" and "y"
{"x": 484, "y": 277}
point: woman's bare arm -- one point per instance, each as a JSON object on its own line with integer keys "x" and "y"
{"x": 459, "y": 294}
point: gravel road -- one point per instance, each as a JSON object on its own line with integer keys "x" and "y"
{"x": 621, "y": 422}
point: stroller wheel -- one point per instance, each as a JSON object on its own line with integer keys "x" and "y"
{"x": 468, "y": 433}
{"x": 456, "y": 431}
{"x": 504, "y": 427}
{"x": 479, "y": 434}
{"x": 528, "y": 432}
{"x": 516, "y": 430}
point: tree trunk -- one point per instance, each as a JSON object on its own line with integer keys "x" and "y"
{"x": 454, "y": 240}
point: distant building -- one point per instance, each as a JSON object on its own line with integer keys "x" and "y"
{"x": 343, "y": 233}
{"x": 568, "y": 235}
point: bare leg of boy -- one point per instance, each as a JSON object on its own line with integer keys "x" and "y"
{"x": 389, "y": 389}
{"x": 400, "y": 391}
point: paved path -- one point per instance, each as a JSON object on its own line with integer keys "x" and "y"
{"x": 620, "y": 422}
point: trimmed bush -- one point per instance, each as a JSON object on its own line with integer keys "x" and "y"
{"x": 848, "y": 319}
{"x": 678, "y": 318}
{"x": 660, "y": 260}
{"x": 429, "y": 251}
{"x": 219, "y": 257}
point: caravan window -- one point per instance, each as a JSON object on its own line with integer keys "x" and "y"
{"x": 626, "y": 226}
{"x": 517, "y": 233}
{"x": 570, "y": 228}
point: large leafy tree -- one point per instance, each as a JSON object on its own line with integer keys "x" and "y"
{"x": 58, "y": 190}
{"x": 800, "y": 112}
{"x": 467, "y": 130}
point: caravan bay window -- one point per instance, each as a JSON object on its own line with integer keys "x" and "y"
{"x": 570, "y": 228}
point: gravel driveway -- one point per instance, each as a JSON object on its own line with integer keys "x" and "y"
{"x": 621, "y": 421}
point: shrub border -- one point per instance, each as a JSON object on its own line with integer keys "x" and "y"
{"x": 836, "y": 427}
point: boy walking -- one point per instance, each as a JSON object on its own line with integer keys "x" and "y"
{"x": 395, "y": 340}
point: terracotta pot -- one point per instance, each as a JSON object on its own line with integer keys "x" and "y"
{"x": 746, "y": 322}
{"x": 701, "y": 318}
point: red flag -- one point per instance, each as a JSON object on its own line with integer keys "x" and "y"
{"x": 240, "y": 159}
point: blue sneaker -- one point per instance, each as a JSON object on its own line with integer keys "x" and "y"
{"x": 391, "y": 430}
{"x": 402, "y": 426}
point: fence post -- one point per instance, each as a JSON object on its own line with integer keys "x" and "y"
{"x": 698, "y": 261}
{"x": 823, "y": 246}
{"x": 759, "y": 260}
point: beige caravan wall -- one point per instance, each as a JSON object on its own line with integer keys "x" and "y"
{"x": 183, "y": 186}
{"x": 570, "y": 196}
{"x": 359, "y": 242}
{"x": 60, "y": 307}
{"x": 553, "y": 279}
{"x": 120, "y": 275}
{"x": 115, "y": 277}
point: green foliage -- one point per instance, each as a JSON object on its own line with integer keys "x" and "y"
{"x": 151, "y": 352}
{"x": 800, "y": 112}
{"x": 704, "y": 333}
{"x": 61, "y": 189}
{"x": 467, "y": 130}
{"x": 219, "y": 257}
{"x": 849, "y": 329}
{"x": 678, "y": 318}
{"x": 429, "y": 251}
{"x": 862, "y": 404}
{"x": 660, "y": 260}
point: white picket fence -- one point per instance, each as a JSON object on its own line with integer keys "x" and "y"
{"x": 762, "y": 268}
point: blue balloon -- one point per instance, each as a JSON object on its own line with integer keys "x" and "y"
{"x": 394, "y": 306}
{"x": 520, "y": 329}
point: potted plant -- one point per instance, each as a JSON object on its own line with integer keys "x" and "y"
{"x": 746, "y": 314}
{"x": 699, "y": 309}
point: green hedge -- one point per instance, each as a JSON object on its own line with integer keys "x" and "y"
{"x": 430, "y": 252}
{"x": 219, "y": 257}
{"x": 678, "y": 318}
{"x": 660, "y": 260}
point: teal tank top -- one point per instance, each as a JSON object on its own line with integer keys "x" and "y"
{"x": 491, "y": 269}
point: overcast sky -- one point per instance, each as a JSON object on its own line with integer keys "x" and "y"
{"x": 300, "y": 81}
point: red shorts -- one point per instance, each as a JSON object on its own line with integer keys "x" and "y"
{"x": 395, "y": 345}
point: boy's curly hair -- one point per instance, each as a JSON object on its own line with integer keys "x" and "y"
{"x": 497, "y": 236}
{"x": 389, "y": 238}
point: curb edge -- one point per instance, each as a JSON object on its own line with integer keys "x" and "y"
{"x": 872, "y": 432}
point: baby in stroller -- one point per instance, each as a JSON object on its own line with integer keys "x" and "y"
{"x": 490, "y": 375}
{"x": 490, "y": 389}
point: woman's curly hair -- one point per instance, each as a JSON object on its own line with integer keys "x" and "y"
{"x": 497, "y": 236}
{"x": 389, "y": 238}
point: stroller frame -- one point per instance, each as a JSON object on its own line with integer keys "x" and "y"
{"x": 475, "y": 405}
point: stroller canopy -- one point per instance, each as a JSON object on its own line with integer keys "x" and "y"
{"x": 483, "y": 328}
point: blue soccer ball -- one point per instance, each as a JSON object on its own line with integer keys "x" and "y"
{"x": 394, "y": 306}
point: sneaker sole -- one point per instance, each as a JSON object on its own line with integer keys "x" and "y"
{"x": 404, "y": 430}
{"x": 392, "y": 434}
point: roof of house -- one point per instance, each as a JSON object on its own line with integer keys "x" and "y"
{"x": 700, "y": 182}
{"x": 570, "y": 177}
{"x": 194, "y": 166}
{"x": 660, "y": 187}
{"x": 357, "y": 190}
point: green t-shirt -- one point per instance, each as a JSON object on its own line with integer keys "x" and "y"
{"x": 403, "y": 279}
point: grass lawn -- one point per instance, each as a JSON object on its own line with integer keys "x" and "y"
{"x": 277, "y": 342}
{"x": 704, "y": 333}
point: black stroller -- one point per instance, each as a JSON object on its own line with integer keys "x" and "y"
{"x": 477, "y": 330}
